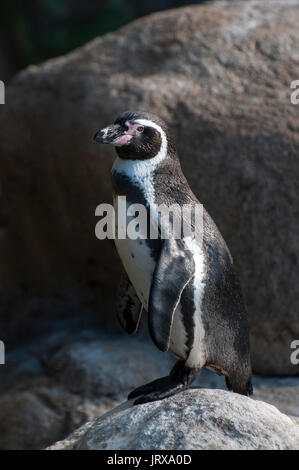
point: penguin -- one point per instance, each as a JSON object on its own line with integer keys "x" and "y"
{"x": 188, "y": 287}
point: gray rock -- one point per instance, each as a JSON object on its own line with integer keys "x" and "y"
{"x": 79, "y": 381}
{"x": 280, "y": 392}
{"x": 195, "y": 419}
{"x": 220, "y": 74}
{"x": 40, "y": 412}
{"x": 86, "y": 377}
{"x": 110, "y": 367}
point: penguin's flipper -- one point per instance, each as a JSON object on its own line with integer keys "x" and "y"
{"x": 174, "y": 269}
{"x": 128, "y": 305}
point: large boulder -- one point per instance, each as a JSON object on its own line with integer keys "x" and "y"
{"x": 39, "y": 412}
{"x": 55, "y": 384}
{"x": 52, "y": 387}
{"x": 220, "y": 75}
{"x": 196, "y": 419}
{"x": 110, "y": 367}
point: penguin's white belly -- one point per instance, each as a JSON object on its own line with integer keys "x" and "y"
{"x": 139, "y": 265}
{"x": 136, "y": 259}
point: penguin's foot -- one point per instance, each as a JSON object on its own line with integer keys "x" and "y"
{"x": 158, "y": 383}
{"x": 150, "y": 387}
{"x": 167, "y": 391}
{"x": 178, "y": 380}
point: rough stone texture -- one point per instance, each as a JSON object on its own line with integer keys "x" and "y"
{"x": 34, "y": 415}
{"x": 110, "y": 367}
{"x": 195, "y": 419}
{"x": 282, "y": 393}
{"x": 61, "y": 381}
{"x": 53, "y": 387}
{"x": 220, "y": 75}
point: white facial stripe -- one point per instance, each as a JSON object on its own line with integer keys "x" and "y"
{"x": 139, "y": 168}
{"x": 148, "y": 123}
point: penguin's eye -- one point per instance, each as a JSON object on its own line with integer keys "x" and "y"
{"x": 140, "y": 128}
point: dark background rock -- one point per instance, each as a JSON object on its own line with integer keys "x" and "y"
{"x": 40, "y": 412}
{"x": 36, "y": 30}
{"x": 220, "y": 75}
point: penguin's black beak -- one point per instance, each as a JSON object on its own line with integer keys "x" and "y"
{"x": 99, "y": 136}
{"x": 114, "y": 135}
{"x": 108, "y": 135}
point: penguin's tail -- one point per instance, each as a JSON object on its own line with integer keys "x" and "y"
{"x": 239, "y": 386}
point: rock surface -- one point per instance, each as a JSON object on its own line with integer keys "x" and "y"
{"x": 195, "y": 419}
{"x": 61, "y": 381}
{"x": 35, "y": 414}
{"x": 51, "y": 388}
{"x": 220, "y": 74}
{"x": 108, "y": 367}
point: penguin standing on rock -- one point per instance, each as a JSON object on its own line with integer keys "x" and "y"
{"x": 187, "y": 286}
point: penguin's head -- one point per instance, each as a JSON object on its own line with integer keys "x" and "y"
{"x": 137, "y": 136}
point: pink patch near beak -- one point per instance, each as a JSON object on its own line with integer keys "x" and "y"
{"x": 123, "y": 140}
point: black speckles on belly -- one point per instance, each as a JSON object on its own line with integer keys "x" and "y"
{"x": 123, "y": 186}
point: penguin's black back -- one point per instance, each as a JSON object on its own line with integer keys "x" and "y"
{"x": 224, "y": 313}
